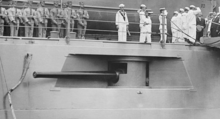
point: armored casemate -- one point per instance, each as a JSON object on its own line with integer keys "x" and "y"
{"x": 43, "y": 16}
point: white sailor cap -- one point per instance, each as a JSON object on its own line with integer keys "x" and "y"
{"x": 192, "y": 6}
{"x": 181, "y": 9}
{"x": 175, "y": 12}
{"x": 143, "y": 5}
{"x": 121, "y": 5}
{"x": 162, "y": 8}
{"x": 186, "y": 8}
{"x": 150, "y": 12}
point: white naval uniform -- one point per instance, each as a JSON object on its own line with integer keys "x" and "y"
{"x": 145, "y": 30}
{"x": 174, "y": 22}
{"x": 142, "y": 29}
{"x": 121, "y": 20}
{"x": 185, "y": 25}
{"x": 150, "y": 29}
{"x": 165, "y": 28}
{"x": 191, "y": 19}
{"x": 180, "y": 27}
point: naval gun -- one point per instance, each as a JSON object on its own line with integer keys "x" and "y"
{"x": 111, "y": 77}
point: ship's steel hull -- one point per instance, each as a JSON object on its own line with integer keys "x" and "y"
{"x": 41, "y": 99}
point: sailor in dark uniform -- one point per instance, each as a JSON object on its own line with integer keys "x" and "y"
{"x": 200, "y": 24}
{"x": 214, "y": 27}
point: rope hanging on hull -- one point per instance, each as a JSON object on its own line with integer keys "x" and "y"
{"x": 27, "y": 60}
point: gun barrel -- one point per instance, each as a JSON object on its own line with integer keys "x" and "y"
{"x": 110, "y": 76}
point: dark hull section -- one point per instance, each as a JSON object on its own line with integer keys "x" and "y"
{"x": 183, "y": 81}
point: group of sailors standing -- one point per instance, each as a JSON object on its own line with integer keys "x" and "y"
{"x": 122, "y": 24}
{"x": 23, "y": 21}
{"x": 186, "y": 24}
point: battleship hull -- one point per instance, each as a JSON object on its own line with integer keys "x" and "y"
{"x": 183, "y": 80}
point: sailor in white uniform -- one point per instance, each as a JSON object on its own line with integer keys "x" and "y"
{"x": 142, "y": 17}
{"x": 185, "y": 23}
{"x": 180, "y": 25}
{"x": 163, "y": 13}
{"x": 121, "y": 21}
{"x": 191, "y": 19}
{"x": 150, "y": 26}
{"x": 174, "y": 29}
{"x": 147, "y": 27}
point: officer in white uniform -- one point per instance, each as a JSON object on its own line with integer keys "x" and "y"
{"x": 163, "y": 13}
{"x": 121, "y": 21}
{"x": 185, "y": 23}
{"x": 142, "y": 17}
{"x": 191, "y": 19}
{"x": 147, "y": 25}
{"x": 180, "y": 25}
{"x": 174, "y": 29}
{"x": 150, "y": 26}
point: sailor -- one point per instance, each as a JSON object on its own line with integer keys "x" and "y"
{"x": 185, "y": 23}
{"x": 42, "y": 15}
{"x": 7, "y": 24}
{"x": 191, "y": 19}
{"x": 82, "y": 16}
{"x": 214, "y": 26}
{"x": 21, "y": 31}
{"x": 71, "y": 16}
{"x": 64, "y": 21}
{"x": 174, "y": 28}
{"x": 209, "y": 22}
{"x": 14, "y": 15}
{"x": 28, "y": 16}
{"x": 147, "y": 25}
{"x": 121, "y": 21}
{"x": 55, "y": 14}
{"x": 180, "y": 25}
{"x": 3, "y": 14}
{"x": 150, "y": 26}
{"x": 163, "y": 15}
{"x": 142, "y": 17}
{"x": 200, "y": 24}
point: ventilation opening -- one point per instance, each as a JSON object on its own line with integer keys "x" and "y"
{"x": 120, "y": 67}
